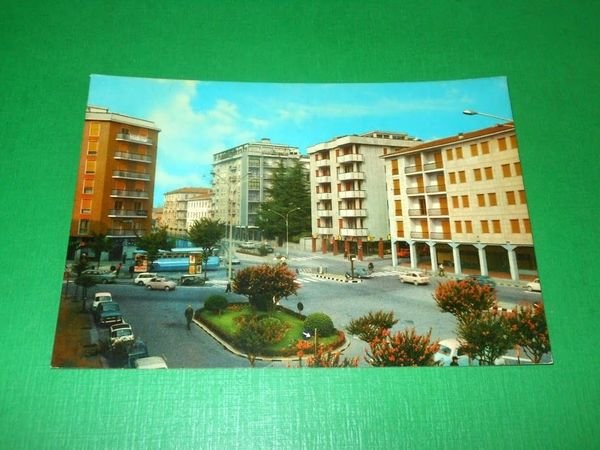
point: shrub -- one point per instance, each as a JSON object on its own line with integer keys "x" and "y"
{"x": 404, "y": 348}
{"x": 216, "y": 303}
{"x": 322, "y": 322}
{"x": 464, "y": 298}
{"x": 529, "y": 325}
{"x": 368, "y": 327}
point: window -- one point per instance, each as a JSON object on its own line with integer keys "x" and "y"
{"x": 489, "y": 174}
{"x": 506, "y": 170}
{"x": 518, "y": 169}
{"x": 469, "y": 226}
{"x": 90, "y": 167}
{"x": 94, "y": 129}
{"x": 452, "y": 177}
{"x": 449, "y": 154}
{"x": 394, "y": 167}
{"x": 92, "y": 147}
{"x": 522, "y": 198}
{"x": 480, "y": 200}
{"x": 84, "y": 226}
{"x": 496, "y": 226}
{"x": 493, "y": 201}
{"x": 396, "y": 187}
{"x": 527, "y": 226}
{"x": 510, "y": 198}
{"x": 400, "y": 228}
{"x": 474, "y": 150}
{"x": 86, "y": 206}
{"x": 502, "y": 144}
{"x": 485, "y": 227}
{"x": 455, "y": 201}
{"x": 465, "y": 201}
{"x": 513, "y": 141}
{"x": 254, "y": 184}
{"x": 398, "y": 207}
{"x": 458, "y": 226}
{"x": 459, "y": 153}
{"x": 462, "y": 176}
{"x": 477, "y": 174}
{"x": 485, "y": 148}
{"x": 514, "y": 226}
{"x": 88, "y": 186}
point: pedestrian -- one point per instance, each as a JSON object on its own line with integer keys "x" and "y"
{"x": 118, "y": 269}
{"x": 441, "y": 272}
{"x": 189, "y": 315}
{"x": 454, "y": 361}
{"x": 131, "y": 269}
{"x": 228, "y": 288}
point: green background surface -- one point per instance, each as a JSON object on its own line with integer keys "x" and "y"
{"x": 548, "y": 51}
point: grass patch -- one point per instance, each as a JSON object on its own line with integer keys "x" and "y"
{"x": 226, "y": 326}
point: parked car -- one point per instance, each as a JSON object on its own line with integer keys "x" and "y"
{"x": 150, "y": 362}
{"x": 360, "y": 272}
{"x": 191, "y": 280}
{"x": 482, "y": 280}
{"x": 534, "y": 285}
{"x": 99, "y": 276}
{"x": 108, "y": 313}
{"x": 414, "y": 277}
{"x": 121, "y": 333}
{"x": 136, "y": 350}
{"x": 161, "y": 283}
{"x": 101, "y": 297}
{"x": 143, "y": 278}
{"x": 403, "y": 252}
{"x": 450, "y": 348}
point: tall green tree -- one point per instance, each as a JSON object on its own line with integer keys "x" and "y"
{"x": 153, "y": 242}
{"x": 289, "y": 195}
{"x": 264, "y": 285}
{"x": 206, "y": 233}
{"x": 486, "y": 337}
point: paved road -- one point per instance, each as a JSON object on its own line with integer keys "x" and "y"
{"x": 158, "y": 317}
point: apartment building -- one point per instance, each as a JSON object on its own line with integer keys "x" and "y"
{"x": 460, "y": 202}
{"x": 348, "y": 190}
{"x": 115, "y": 181}
{"x": 198, "y": 208}
{"x": 241, "y": 178}
{"x": 175, "y": 208}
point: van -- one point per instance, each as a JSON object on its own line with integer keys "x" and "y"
{"x": 150, "y": 362}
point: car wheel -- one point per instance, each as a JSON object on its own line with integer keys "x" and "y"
{"x": 140, "y": 283}
{"x": 148, "y": 287}
{"x": 167, "y": 288}
{"x": 529, "y": 288}
{"x": 416, "y": 283}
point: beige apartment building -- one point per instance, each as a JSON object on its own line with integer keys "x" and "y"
{"x": 115, "y": 180}
{"x": 348, "y": 191}
{"x": 175, "y": 209}
{"x": 460, "y": 202}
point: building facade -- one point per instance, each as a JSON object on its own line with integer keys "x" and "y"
{"x": 198, "y": 208}
{"x": 175, "y": 209}
{"x": 241, "y": 178}
{"x": 348, "y": 190}
{"x": 460, "y": 202}
{"x": 115, "y": 182}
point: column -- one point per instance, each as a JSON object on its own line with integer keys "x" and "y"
{"x": 483, "y": 268}
{"x": 360, "y": 249}
{"x": 433, "y": 257}
{"x": 314, "y": 244}
{"x": 380, "y": 248}
{"x": 394, "y": 252}
{"x": 335, "y": 246}
{"x": 323, "y": 244}
{"x": 512, "y": 261}
{"x": 413, "y": 254}
{"x": 456, "y": 258}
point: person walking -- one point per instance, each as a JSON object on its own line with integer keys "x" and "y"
{"x": 118, "y": 270}
{"x": 189, "y": 315}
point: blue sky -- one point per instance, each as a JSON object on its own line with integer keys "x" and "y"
{"x": 199, "y": 118}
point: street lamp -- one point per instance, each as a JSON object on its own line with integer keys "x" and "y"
{"x": 469, "y": 112}
{"x": 286, "y": 217}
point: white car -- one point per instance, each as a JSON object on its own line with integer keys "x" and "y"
{"x": 101, "y": 297}
{"x": 121, "y": 332}
{"x": 150, "y": 362}
{"x": 534, "y": 285}
{"x": 414, "y": 277}
{"x": 143, "y": 278}
{"x": 450, "y": 348}
{"x": 161, "y": 283}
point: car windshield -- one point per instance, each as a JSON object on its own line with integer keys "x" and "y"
{"x": 445, "y": 350}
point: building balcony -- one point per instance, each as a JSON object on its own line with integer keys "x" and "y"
{"x": 131, "y": 175}
{"x": 353, "y": 212}
{"x": 324, "y": 231}
{"x": 435, "y": 189}
{"x": 415, "y": 190}
{"x": 438, "y": 211}
{"x": 324, "y": 212}
{"x": 441, "y": 235}
{"x": 125, "y": 233}
{"x": 354, "y": 232}
{"x": 323, "y": 196}
{"x": 135, "y": 138}
{"x": 345, "y": 176}
{"x": 413, "y": 169}
{"x": 419, "y": 234}
{"x": 129, "y": 194}
{"x": 435, "y": 165}
{"x": 417, "y": 212}
{"x": 323, "y": 179}
{"x": 323, "y": 162}
{"x": 137, "y": 157}
{"x": 351, "y": 157}
{"x": 352, "y": 194}
{"x": 137, "y": 213}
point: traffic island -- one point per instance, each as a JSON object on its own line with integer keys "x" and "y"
{"x": 338, "y": 278}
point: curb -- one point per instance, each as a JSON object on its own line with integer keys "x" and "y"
{"x": 338, "y": 278}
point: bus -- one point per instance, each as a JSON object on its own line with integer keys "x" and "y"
{"x": 186, "y": 259}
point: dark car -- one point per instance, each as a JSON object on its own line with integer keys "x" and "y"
{"x": 136, "y": 350}
{"x": 108, "y": 313}
{"x": 482, "y": 280}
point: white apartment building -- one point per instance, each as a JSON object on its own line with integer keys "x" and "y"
{"x": 460, "y": 202}
{"x": 199, "y": 208}
{"x": 175, "y": 208}
{"x": 241, "y": 177}
{"x": 348, "y": 190}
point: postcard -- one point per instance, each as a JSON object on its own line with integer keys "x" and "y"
{"x": 278, "y": 225}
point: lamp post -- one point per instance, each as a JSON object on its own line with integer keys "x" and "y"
{"x": 287, "y": 229}
{"x": 469, "y": 112}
